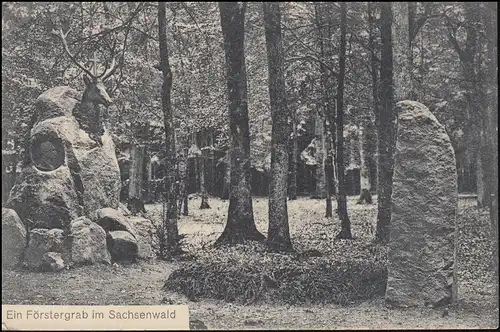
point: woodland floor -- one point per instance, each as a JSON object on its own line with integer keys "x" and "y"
{"x": 142, "y": 283}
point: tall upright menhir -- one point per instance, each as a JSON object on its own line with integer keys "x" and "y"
{"x": 88, "y": 114}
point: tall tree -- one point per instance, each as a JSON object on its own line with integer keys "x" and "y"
{"x": 327, "y": 126}
{"x": 292, "y": 188}
{"x": 471, "y": 84}
{"x": 170, "y": 228}
{"x": 203, "y": 160}
{"x": 182, "y": 200}
{"x": 386, "y": 135}
{"x": 136, "y": 184}
{"x": 278, "y": 234}
{"x": 401, "y": 51}
{"x": 240, "y": 224}
{"x": 489, "y": 153}
{"x": 374, "y": 71}
{"x": 364, "y": 156}
{"x": 319, "y": 154}
{"x": 345, "y": 232}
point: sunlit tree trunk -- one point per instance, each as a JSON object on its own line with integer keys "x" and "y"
{"x": 202, "y": 162}
{"x": 320, "y": 156}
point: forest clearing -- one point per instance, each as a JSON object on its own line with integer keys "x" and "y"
{"x": 141, "y": 283}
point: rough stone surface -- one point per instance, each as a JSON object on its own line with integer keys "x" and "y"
{"x": 123, "y": 209}
{"x": 13, "y": 238}
{"x": 145, "y": 236}
{"x": 57, "y": 101}
{"x": 42, "y": 241}
{"x": 69, "y": 175}
{"x": 122, "y": 245}
{"x": 45, "y": 199}
{"x": 52, "y": 261}
{"x": 87, "y": 241}
{"x": 114, "y": 220}
{"x": 424, "y": 206}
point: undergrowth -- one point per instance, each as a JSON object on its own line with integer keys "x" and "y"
{"x": 348, "y": 271}
{"x": 247, "y": 274}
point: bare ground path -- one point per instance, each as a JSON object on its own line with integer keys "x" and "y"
{"x": 141, "y": 284}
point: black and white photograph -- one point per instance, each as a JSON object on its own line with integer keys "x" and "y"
{"x": 266, "y": 165}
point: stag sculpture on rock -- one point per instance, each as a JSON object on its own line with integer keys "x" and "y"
{"x": 88, "y": 113}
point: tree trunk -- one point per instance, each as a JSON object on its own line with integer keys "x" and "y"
{"x": 320, "y": 157}
{"x": 227, "y": 180}
{"x": 371, "y": 140}
{"x": 240, "y": 224}
{"x": 196, "y": 166}
{"x": 364, "y": 173}
{"x": 490, "y": 127}
{"x": 401, "y": 51}
{"x": 386, "y": 137}
{"x": 202, "y": 162}
{"x": 480, "y": 185}
{"x": 345, "y": 232}
{"x": 329, "y": 176}
{"x": 203, "y": 189}
{"x": 278, "y": 232}
{"x": 183, "y": 183}
{"x": 471, "y": 83}
{"x": 374, "y": 69}
{"x": 292, "y": 188}
{"x": 170, "y": 229}
{"x": 412, "y": 33}
{"x": 147, "y": 197}
{"x": 328, "y": 131}
{"x": 212, "y": 165}
{"x": 136, "y": 184}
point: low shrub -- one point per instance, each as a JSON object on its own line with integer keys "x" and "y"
{"x": 247, "y": 274}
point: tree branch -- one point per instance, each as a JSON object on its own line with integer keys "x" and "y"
{"x": 314, "y": 59}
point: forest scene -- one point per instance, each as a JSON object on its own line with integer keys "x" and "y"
{"x": 272, "y": 165}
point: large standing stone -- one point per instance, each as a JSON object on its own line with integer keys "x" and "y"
{"x": 42, "y": 241}
{"x": 122, "y": 245}
{"x": 424, "y": 206}
{"x": 68, "y": 174}
{"x": 88, "y": 242}
{"x": 13, "y": 238}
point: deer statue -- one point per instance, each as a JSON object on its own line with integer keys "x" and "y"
{"x": 88, "y": 114}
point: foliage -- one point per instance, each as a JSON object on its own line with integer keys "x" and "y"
{"x": 33, "y": 61}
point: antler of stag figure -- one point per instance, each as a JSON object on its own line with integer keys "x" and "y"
{"x": 107, "y": 71}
